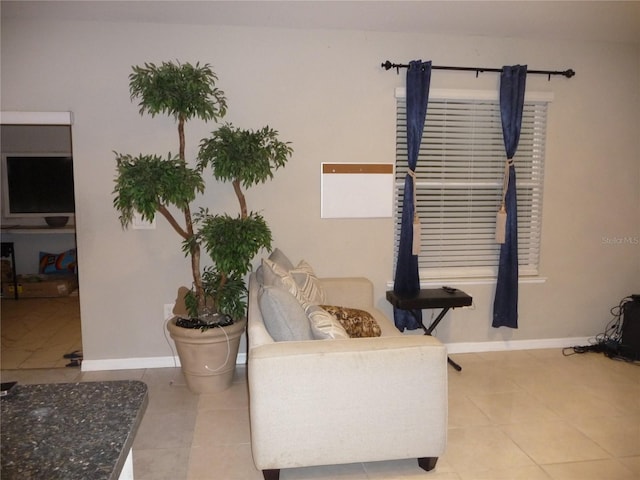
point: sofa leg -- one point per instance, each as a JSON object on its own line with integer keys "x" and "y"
{"x": 427, "y": 463}
{"x": 273, "y": 474}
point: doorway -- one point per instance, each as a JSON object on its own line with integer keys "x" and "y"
{"x": 41, "y": 327}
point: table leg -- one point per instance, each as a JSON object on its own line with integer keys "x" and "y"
{"x": 454, "y": 364}
{"x": 431, "y": 328}
{"x": 435, "y": 323}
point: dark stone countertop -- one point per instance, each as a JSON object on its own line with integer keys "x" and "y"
{"x": 70, "y": 431}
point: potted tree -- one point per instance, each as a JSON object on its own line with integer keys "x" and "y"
{"x": 150, "y": 184}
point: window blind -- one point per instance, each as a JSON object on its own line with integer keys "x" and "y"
{"x": 459, "y": 183}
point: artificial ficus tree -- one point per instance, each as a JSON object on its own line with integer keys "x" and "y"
{"x": 151, "y": 184}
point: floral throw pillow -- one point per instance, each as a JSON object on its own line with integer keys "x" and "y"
{"x": 358, "y": 323}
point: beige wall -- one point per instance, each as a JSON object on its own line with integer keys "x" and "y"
{"x": 326, "y": 93}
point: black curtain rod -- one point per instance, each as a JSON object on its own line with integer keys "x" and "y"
{"x": 566, "y": 73}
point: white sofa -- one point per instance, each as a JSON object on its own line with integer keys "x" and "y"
{"x": 336, "y": 401}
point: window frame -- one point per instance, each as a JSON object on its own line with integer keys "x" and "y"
{"x": 531, "y": 222}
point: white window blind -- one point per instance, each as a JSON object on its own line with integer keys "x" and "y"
{"x": 459, "y": 182}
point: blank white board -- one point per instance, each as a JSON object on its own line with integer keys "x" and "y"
{"x": 357, "y": 190}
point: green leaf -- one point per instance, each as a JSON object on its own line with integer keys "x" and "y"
{"x": 249, "y": 156}
{"x": 146, "y": 182}
{"x": 180, "y": 90}
{"x": 232, "y": 243}
{"x": 230, "y": 294}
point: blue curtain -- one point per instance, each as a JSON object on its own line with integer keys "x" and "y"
{"x": 505, "y": 305}
{"x": 407, "y": 280}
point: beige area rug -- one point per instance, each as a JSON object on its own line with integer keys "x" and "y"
{"x": 38, "y": 332}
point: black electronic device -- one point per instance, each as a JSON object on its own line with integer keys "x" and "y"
{"x": 630, "y": 339}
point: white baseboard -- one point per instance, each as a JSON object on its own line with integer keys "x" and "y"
{"x": 140, "y": 363}
{"x": 476, "y": 347}
{"x": 462, "y": 347}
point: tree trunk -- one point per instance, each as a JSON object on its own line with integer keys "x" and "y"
{"x": 194, "y": 252}
{"x": 164, "y": 211}
{"x": 241, "y": 198}
{"x": 194, "y": 249}
{"x": 181, "y": 137}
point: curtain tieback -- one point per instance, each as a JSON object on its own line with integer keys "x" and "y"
{"x": 501, "y": 216}
{"x": 415, "y": 248}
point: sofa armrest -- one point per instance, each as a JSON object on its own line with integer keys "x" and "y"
{"x": 356, "y": 292}
{"x": 342, "y": 401}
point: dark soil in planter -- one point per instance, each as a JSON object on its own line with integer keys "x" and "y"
{"x": 222, "y": 321}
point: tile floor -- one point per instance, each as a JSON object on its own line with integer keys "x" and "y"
{"x": 512, "y": 415}
{"x": 37, "y": 332}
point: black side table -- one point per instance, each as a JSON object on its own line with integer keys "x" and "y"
{"x": 8, "y": 251}
{"x": 431, "y": 298}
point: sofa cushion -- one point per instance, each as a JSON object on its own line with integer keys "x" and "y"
{"x": 358, "y": 323}
{"x": 277, "y": 256}
{"x": 274, "y": 275}
{"x": 308, "y": 284}
{"x": 300, "y": 281}
{"x": 324, "y": 325}
{"x": 284, "y": 317}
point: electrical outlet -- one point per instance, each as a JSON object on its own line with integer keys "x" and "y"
{"x": 168, "y": 310}
{"x": 140, "y": 224}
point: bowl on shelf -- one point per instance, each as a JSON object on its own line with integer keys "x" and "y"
{"x": 56, "y": 222}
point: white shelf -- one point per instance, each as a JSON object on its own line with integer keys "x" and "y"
{"x": 38, "y": 229}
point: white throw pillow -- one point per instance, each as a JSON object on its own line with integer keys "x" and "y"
{"x": 324, "y": 325}
{"x": 308, "y": 284}
{"x": 274, "y": 275}
{"x": 300, "y": 282}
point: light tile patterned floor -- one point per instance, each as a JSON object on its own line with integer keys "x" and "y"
{"x": 512, "y": 415}
{"x": 37, "y": 332}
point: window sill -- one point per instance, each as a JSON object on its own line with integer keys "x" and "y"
{"x": 461, "y": 281}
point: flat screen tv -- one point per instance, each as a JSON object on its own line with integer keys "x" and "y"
{"x": 37, "y": 186}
